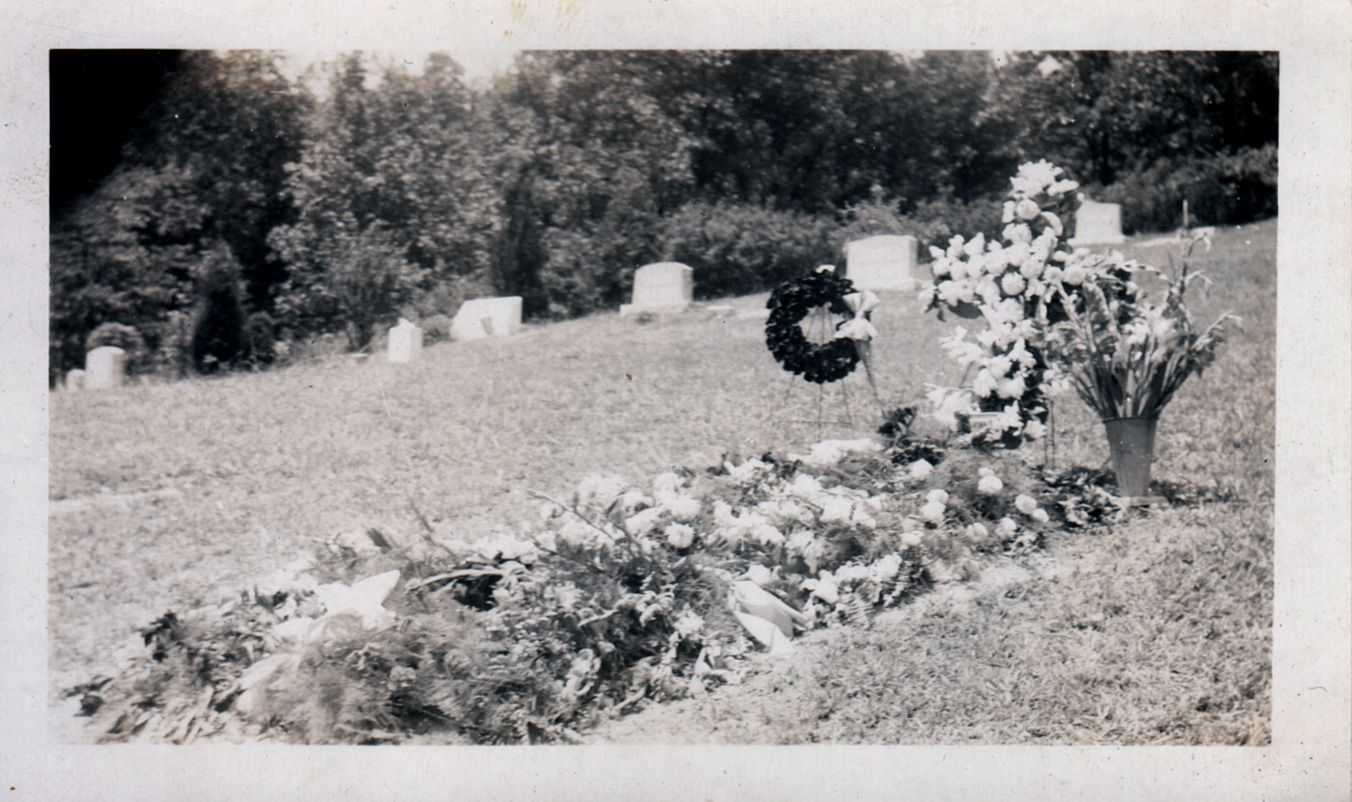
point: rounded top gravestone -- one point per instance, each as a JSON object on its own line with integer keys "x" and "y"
{"x": 105, "y": 367}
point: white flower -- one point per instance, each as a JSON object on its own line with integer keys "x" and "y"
{"x": 1006, "y": 527}
{"x": 642, "y": 522}
{"x": 1040, "y": 515}
{"x": 977, "y": 532}
{"x": 1017, "y": 233}
{"x": 862, "y": 519}
{"x": 680, "y": 536}
{"x": 937, "y": 494}
{"x": 933, "y": 512}
{"x": 949, "y": 404}
{"x": 976, "y": 246}
{"x": 885, "y": 568}
{"x": 919, "y": 469}
{"x": 835, "y": 510}
{"x": 576, "y": 533}
{"x": 759, "y": 574}
{"x": 1012, "y": 283}
{"x": 1027, "y": 210}
{"x": 1033, "y": 265}
{"x": 1074, "y": 275}
{"x": 912, "y": 538}
{"x": 804, "y": 486}
{"x": 1025, "y": 503}
{"x": 958, "y": 270}
{"x": 940, "y": 267}
{"x": 766, "y": 534}
{"x": 745, "y": 472}
{"x": 1000, "y": 365}
{"x": 681, "y": 506}
{"x": 937, "y": 253}
{"x": 1035, "y": 429}
{"x": 824, "y": 587}
{"x": 1062, "y": 187}
{"x": 1011, "y": 388}
{"x": 1053, "y": 221}
{"x": 632, "y": 499}
{"x": 989, "y": 485}
{"x": 669, "y": 482}
{"x": 689, "y": 624}
{"x": 984, "y": 384}
{"x": 1007, "y": 216}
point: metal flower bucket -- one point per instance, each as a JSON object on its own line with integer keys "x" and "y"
{"x": 1132, "y": 444}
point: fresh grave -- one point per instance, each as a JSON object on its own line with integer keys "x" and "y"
{"x": 623, "y": 594}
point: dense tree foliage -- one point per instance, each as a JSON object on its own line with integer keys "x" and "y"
{"x": 373, "y": 190}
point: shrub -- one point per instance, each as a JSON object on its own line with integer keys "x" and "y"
{"x": 1229, "y": 188}
{"x": 436, "y": 328}
{"x": 739, "y": 249}
{"x": 218, "y": 331}
{"x": 173, "y": 356}
{"x": 116, "y": 336}
{"x": 259, "y": 339}
{"x": 931, "y": 222}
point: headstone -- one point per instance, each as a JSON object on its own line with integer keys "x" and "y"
{"x": 75, "y": 380}
{"x": 405, "y": 344}
{"x": 661, "y": 287}
{"x": 487, "y": 317}
{"x": 1098, "y": 224}
{"x": 105, "y": 367}
{"x": 884, "y": 262}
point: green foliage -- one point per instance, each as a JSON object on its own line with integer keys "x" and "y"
{"x": 260, "y": 337}
{"x": 218, "y": 329}
{"x": 1230, "y": 188}
{"x": 558, "y": 180}
{"x": 357, "y": 281}
{"x": 741, "y": 249}
{"x": 118, "y": 336}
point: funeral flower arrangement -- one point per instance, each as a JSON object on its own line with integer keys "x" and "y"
{"x": 1015, "y": 286}
{"x": 1124, "y": 355}
{"x": 621, "y": 594}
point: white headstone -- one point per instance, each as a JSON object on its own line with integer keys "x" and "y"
{"x": 662, "y": 287}
{"x": 105, "y": 367}
{"x": 884, "y": 262}
{"x": 75, "y": 380}
{"x": 487, "y": 317}
{"x": 1098, "y": 224}
{"x": 405, "y": 344}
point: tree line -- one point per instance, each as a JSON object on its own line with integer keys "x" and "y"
{"x": 250, "y": 209}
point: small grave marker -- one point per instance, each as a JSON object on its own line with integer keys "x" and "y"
{"x": 1098, "y": 224}
{"x": 662, "y": 287}
{"x": 405, "y": 344}
{"x": 75, "y": 380}
{"x": 883, "y": 262}
{"x": 487, "y": 317}
{"x": 105, "y": 367}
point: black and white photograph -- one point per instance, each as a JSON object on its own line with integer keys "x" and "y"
{"x": 659, "y": 397}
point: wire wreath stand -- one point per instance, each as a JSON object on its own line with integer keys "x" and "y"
{"x": 821, "y": 326}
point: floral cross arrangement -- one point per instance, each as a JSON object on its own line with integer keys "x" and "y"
{"x": 1017, "y": 287}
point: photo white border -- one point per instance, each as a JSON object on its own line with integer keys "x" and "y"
{"x": 1312, "y": 704}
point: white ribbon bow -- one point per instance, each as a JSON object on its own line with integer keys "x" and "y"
{"x": 859, "y": 328}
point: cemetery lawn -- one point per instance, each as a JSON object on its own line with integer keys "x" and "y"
{"x": 169, "y": 496}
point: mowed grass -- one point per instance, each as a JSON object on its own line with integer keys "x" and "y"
{"x": 167, "y": 496}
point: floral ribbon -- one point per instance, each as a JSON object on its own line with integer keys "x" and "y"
{"x": 859, "y": 328}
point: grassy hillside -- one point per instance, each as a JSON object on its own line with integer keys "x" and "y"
{"x": 167, "y": 495}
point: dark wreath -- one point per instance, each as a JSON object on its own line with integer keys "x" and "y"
{"x": 789, "y": 304}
